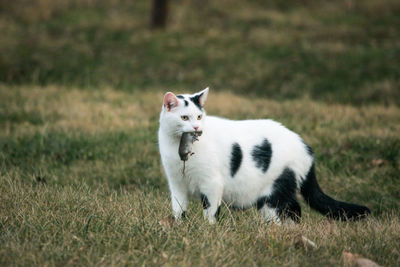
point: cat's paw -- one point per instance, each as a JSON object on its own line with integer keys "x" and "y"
{"x": 179, "y": 216}
{"x": 210, "y": 218}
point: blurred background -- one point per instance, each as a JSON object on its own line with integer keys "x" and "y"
{"x": 81, "y": 87}
{"x": 345, "y": 51}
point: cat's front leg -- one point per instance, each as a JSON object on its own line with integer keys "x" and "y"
{"x": 179, "y": 199}
{"x": 211, "y": 201}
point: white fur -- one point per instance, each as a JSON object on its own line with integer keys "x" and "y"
{"x": 208, "y": 170}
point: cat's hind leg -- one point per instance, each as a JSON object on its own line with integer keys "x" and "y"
{"x": 270, "y": 214}
{"x": 282, "y": 201}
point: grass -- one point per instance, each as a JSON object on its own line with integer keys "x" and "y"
{"x": 81, "y": 183}
{"x": 81, "y": 86}
{"x": 347, "y": 51}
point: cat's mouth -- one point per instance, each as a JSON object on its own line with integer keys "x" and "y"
{"x": 198, "y": 133}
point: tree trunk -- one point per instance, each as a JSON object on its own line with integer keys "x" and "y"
{"x": 159, "y": 14}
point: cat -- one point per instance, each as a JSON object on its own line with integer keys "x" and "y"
{"x": 241, "y": 163}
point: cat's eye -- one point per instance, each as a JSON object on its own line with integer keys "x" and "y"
{"x": 199, "y": 117}
{"x": 184, "y": 117}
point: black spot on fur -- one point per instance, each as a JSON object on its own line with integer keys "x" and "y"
{"x": 206, "y": 204}
{"x": 326, "y": 205}
{"x": 262, "y": 155}
{"x": 236, "y": 158}
{"x": 196, "y": 100}
{"x": 309, "y": 149}
{"x": 283, "y": 197}
{"x": 261, "y": 202}
{"x": 184, "y": 100}
{"x": 204, "y": 201}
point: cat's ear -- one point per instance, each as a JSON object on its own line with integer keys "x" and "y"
{"x": 203, "y": 96}
{"x": 170, "y": 101}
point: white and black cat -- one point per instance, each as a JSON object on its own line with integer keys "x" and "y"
{"x": 243, "y": 163}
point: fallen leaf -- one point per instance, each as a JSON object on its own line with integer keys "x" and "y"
{"x": 377, "y": 162}
{"x": 350, "y": 259}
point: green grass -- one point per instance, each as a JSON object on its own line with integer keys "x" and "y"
{"x": 347, "y": 51}
{"x": 81, "y": 183}
{"x": 81, "y": 86}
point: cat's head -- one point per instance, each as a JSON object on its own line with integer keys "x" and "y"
{"x": 183, "y": 113}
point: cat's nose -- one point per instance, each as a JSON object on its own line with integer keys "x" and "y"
{"x": 195, "y": 128}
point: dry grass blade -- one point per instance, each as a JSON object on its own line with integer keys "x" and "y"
{"x": 167, "y": 223}
{"x": 305, "y": 243}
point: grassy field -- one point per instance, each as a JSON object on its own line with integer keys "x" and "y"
{"x": 81, "y": 87}
{"x": 81, "y": 183}
{"x": 346, "y": 50}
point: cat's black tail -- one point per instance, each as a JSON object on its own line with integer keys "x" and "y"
{"x": 326, "y": 205}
